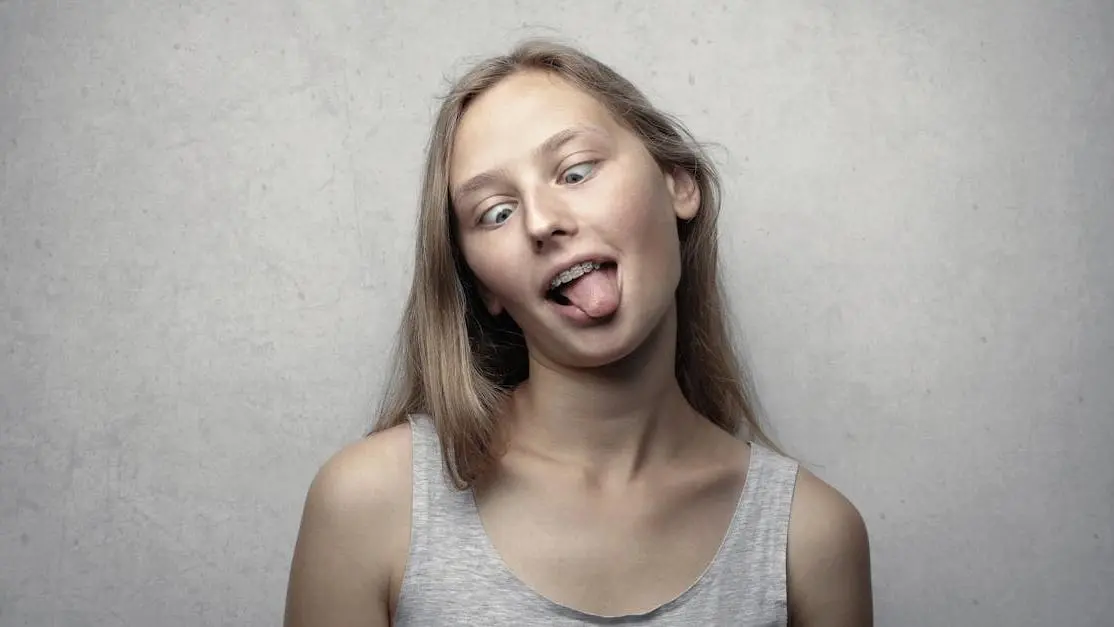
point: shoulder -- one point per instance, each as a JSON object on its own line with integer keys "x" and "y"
{"x": 828, "y": 558}
{"x": 368, "y": 476}
{"x": 354, "y": 534}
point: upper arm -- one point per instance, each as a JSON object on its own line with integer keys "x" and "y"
{"x": 354, "y": 536}
{"x": 828, "y": 559}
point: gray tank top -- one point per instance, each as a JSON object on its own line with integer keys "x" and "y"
{"x": 454, "y": 576}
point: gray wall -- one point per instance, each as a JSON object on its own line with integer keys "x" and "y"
{"x": 207, "y": 217}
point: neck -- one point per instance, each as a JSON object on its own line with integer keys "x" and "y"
{"x": 611, "y": 421}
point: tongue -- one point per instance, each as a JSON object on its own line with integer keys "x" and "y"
{"x": 595, "y": 293}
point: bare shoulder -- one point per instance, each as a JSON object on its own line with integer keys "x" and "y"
{"x": 354, "y": 535}
{"x": 829, "y": 558}
{"x": 370, "y": 476}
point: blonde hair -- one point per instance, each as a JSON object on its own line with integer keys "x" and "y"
{"x": 457, "y": 363}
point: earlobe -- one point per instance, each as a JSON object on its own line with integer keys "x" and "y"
{"x": 493, "y": 306}
{"x": 686, "y": 193}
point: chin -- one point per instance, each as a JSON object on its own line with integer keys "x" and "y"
{"x": 623, "y": 338}
{"x": 598, "y": 356}
{"x": 612, "y": 344}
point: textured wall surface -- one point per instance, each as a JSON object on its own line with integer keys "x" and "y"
{"x": 206, "y": 222}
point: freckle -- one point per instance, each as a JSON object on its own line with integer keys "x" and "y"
{"x": 692, "y": 79}
{"x": 882, "y": 516}
{"x": 25, "y": 539}
{"x": 1096, "y": 536}
{"x": 974, "y": 601}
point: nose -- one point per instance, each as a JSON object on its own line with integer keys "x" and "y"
{"x": 547, "y": 217}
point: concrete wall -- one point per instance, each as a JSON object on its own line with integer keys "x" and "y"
{"x": 206, "y": 221}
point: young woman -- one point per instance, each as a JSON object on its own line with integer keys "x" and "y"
{"x": 570, "y": 440}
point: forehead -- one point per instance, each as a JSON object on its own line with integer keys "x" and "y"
{"x": 516, "y": 116}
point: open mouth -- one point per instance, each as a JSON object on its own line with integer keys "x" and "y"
{"x": 564, "y": 281}
{"x": 587, "y": 291}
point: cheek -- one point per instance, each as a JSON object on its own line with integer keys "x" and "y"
{"x": 643, "y": 215}
{"x": 490, "y": 263}
{"x": 482, "y": 264}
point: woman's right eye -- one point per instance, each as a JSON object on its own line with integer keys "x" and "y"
{"x": 497, "y": 215}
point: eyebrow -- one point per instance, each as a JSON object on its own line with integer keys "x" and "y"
{"x": 554, "y": 143}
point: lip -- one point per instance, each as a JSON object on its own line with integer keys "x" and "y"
{"x": 560, "y": 267}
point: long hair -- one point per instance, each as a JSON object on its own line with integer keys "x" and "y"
{"x": 457, "y": 363}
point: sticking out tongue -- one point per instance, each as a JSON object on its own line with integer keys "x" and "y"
{"x": 595, "y": 293}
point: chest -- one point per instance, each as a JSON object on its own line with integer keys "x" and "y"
{"x": 612, "y": 555}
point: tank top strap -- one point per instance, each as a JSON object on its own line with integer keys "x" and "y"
{"x": 450, "y": 559}
{"x": 771, "y": 483}
{"x": 434, "y": 496}
{"x": 754, "y": 553}
{"x": 424, "y": 469}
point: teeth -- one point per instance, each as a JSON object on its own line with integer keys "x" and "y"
{"x": 574, "y": 272}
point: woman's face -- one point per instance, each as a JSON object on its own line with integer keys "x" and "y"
{"x": 544, "y": 179}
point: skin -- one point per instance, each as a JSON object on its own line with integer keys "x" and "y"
{"x": 604, "y": 455}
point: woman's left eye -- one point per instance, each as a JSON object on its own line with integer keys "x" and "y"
{"x": 577, "y": 173}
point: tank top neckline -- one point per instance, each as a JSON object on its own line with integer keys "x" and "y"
{"x": 495, "y": 559}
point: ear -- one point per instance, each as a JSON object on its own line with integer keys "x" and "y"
{"x": 685, "y": 192}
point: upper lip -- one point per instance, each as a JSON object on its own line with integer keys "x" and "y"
{"x": 561, "y": 266}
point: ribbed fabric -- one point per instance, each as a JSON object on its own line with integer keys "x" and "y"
{"x": 455, "y": 577}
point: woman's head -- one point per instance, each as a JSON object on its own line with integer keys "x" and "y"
{"x": 546, "y": 184}
{"x": 540, "y": 159}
